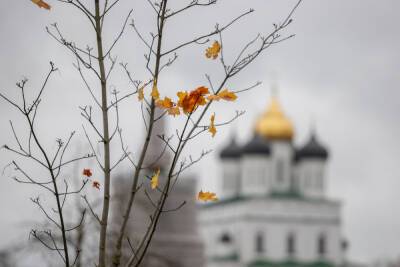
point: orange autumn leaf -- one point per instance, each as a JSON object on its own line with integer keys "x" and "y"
{"x": 141, "y": 93}
{"x": 154, "y": 179}
{"x": 212, "y": 128}
{"x": 227, "y": 95}
{"x": 213, "y": 51}
{"x": 87, "y": 172}
{"x": 166, "y": 103}
{"x": 207, "y": 196}
{"x": 190, "y": 101}
{"x": 41, "y": 3}
{"x": 96, "y": 184}
{"x": 154, "y": 92}
{"x": 181, "y": 98}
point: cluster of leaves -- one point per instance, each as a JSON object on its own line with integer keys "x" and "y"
{"x": 187, "y": 103}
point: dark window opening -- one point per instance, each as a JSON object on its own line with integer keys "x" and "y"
{"x": 260, "y": 243}
{"x": 226, "y": 238}
{"x": 291, "y": 245}
{"x": 321, "y": 245}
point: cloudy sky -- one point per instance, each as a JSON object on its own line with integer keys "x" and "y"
{"x": 340, "y": 71}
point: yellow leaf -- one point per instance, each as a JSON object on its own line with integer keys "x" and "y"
{"x": 170, "y": 106}
{"x": 227, "y": 95}
{"x": 207, "y": 196}
{"x": 154, "y": 179}
{"x": 213, "y": 51}
{"x": 174, "y": 111}
{"x": 41, "y": 3}
{"x": 141, "y": 93}
{"x": 154, "y": 92}
{"x": 212, "y": 128}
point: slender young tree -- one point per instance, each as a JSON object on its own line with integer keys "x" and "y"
{"x": 193, "y": 107}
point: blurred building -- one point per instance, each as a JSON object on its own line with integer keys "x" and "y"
{"x": 273, "y": 209}
{"x": 177, "y": 241}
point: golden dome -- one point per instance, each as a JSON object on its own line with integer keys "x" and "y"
{"x": 273, "y": 124}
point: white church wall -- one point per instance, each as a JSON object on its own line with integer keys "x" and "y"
{"x": 216, "y": 250}
{"x": 276, "y": 219}
{"x": 335, "y": 252}
{"x": 224, "y": 264}
{"x": 276, "y": 232}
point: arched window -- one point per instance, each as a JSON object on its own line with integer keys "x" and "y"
{"x": 260, "y": 242}
{"x": 226, "y": 238}
{"x": 291, "y": 245}
{"x": 280, "y": 171}
{"x": 321, "y": 245}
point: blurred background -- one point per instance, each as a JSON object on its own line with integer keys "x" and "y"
{"x": 339, "y": 74}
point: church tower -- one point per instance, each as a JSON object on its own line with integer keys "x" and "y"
{"x": 273, "y": 210}
{"x": 230, "y": 165}
{"x": 274, "y": 126}
{"x": 310, "y": 168}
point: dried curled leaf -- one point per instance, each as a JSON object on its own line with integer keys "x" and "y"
{"x": 190, "y": 101}
{"x": 141, "y": 93}
{"x": 212, "y": 128}
{"x": 224, "y": 94}
{"x": 87, "y": 172}
{"x": 227, "y": 95}
{"x": 207, "y": 196}
{"x": 96, "y": 185}
{"x": 213, "y": 51}
{"x": 41, "y": 3}
{"x": 213, "y": 98}
{"x": 154, "y": 92}
{"x": 154, "y": 179}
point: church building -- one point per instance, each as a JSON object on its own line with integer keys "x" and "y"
{"x": 273, "y": 209}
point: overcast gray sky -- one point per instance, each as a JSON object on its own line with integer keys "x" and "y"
{"x": 340, "y": 71}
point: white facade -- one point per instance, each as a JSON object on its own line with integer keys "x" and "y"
{"x": 274, "y": 219}
{"x": 273, "y": 208}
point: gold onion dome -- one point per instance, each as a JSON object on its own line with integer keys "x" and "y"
{"x": 273, "y": 124}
